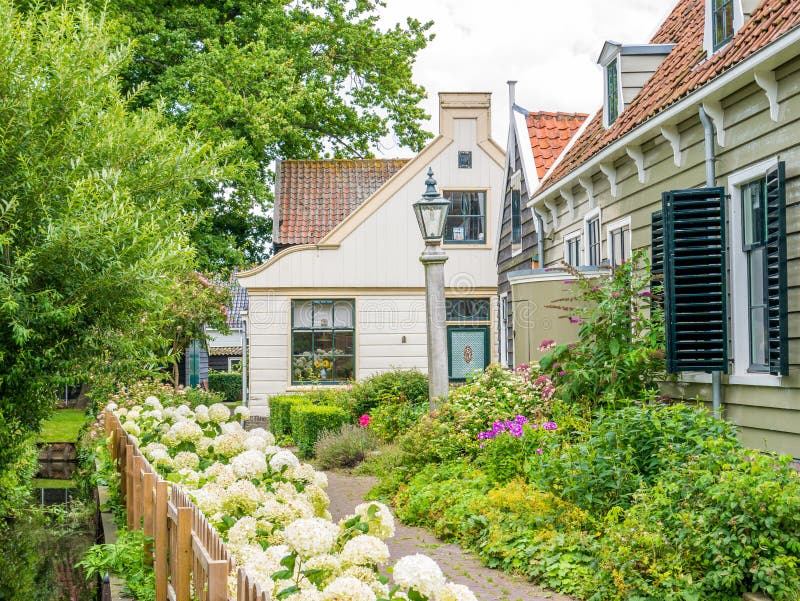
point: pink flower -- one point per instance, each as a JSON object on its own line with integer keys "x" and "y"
{"x": 539, "y": 451}
{"x": 615, "y": 294}
{"x": 575, "y": 320}
{"x": 546, "y": 345}
{"x": 363, "y": 421}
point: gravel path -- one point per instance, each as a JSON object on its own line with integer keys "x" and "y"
{"x": 346, "y": 491}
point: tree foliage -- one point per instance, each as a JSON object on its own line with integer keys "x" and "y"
{"x": 288, "y": 78}
{"x": 92, "y": 230}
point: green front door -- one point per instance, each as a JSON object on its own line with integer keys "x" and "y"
{"x": 467, "y": 351}
{"x": 193, "y": 360}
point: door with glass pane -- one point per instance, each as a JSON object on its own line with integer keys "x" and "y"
{"x": 468, "y": 351}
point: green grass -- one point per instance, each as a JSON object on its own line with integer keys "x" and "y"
{"x": 49, "y": 483}
{"x": 63, "y": 426}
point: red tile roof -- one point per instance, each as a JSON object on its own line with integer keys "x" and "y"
{"x": 313, "y": 197}
{"x": 550, "y": 133}
{"x": 683, "y": 71}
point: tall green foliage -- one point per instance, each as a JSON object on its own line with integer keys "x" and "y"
{"x": 287, "y": 78}
{"x": 92, "y": 230}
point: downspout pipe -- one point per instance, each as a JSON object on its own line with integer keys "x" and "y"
{"x": 539, "y": 237}
{"x": 711, "y": 181}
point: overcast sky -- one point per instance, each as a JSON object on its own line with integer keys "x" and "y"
{"x": 550, "y": 47}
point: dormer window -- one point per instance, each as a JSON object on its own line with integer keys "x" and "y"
{"x": 722, "y": 22}
{"x": 612, "y": 92}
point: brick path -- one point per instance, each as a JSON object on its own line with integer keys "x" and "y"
{"x": 347, "y": 491}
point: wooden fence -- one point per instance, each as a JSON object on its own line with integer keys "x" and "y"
{"x": 189, "y": 558}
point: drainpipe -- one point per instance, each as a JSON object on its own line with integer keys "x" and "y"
{"x": 711, "y": 181}
{"x": 539, "y": 237}
{"x": 245, "y": 399}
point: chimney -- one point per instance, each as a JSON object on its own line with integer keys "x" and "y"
{"x": 465, "y": 105}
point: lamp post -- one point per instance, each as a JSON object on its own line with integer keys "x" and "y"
{"x": 431, "y": 211}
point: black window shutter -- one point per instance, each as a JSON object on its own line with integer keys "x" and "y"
{"x": 695, "y": 296}
{"x": 657, "y": 254}
{"x": 776, "y": 271}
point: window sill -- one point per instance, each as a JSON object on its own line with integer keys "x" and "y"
{"x": 516, "y": 251}
{"x": 465, "y": 245}
{"x": 735, "y": 379}
{"x": 313, "y": 387}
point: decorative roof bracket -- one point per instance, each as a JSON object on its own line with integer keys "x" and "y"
{"x": 610, "y": 172}
{"x": 586, "y": 184}
{"x": 566, "y": 194}
{"x": 637, "y": 155}
{"x": 713, "y": 109}
{"x": 766, "y": 81}
{"x": 553, "y": 208}
{"x": 673, "y": 136}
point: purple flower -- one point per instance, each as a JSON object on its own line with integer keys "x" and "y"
{"x": 615, "y": 294}
{"x": 539, "y": 451}
{"x": 569, "y": 281}
{"x": 575, "y": 320}
{"x": 562, "y": 373}
{"x": 550, "y": 426}
{"x": 645, "y": 293}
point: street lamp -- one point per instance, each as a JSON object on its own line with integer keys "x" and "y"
{"x": 431, "y": 211}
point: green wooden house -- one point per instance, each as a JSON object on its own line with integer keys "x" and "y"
{"x": 695, "y": 156}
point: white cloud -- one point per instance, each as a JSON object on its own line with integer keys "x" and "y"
{"x": 549, "y": 47}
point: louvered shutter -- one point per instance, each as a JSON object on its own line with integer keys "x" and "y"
{"x": 657, "y": 254}
{"x": 694, "y": 280}
{"x": 778, "y": 314}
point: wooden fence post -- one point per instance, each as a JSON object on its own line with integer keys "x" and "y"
{"x": 149, "y": 485}
{"x": 130, "y": 491}
{"x": 161, "y": 540}
{"x": 181, "y": 578}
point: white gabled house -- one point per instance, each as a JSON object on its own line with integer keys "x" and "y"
{"x": 344, "y": 296}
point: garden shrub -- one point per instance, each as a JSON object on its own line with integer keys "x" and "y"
{"x": 626, "y": 449}
{"x": 280, "y": 422}
{"x": 309, "y": 421}
{"x": 390, "y": 420}
{"x": 229, "y": 384}
{"x": 619, "y": 354}
{"x": 398, "y": 386}
{"x": 345, "y": 447}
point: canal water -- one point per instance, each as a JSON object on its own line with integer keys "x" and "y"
{"x": 40, "y": 547}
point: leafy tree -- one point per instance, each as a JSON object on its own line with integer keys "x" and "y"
{"x": 92, "y": 230}
{"x": 288, "y": 78}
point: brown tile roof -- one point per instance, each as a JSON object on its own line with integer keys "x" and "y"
{"x": 683, "y": 71}
{"x": 550, "y": 133}
{"x": 315, "y": 196}
{"x": 217, "y": 351}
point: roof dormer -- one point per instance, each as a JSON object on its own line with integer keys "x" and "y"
{"x": 723, "y": 19}
{"x": 626, "y": 68}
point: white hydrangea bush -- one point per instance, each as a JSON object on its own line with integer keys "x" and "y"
{"x": 272, "y": 510}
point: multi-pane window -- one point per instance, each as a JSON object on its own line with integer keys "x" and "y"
{"x": 593, "y": 242}
{"x": 466, "y": 221}
{"x": 722, "y": 22}
{"x": 754, "y": 237}
{"x": 618, "y": 245}
{"x": 467, "y": 309}
{"x": 516, "y": 220}
{"x": 572, "y": 251}
{"x": 323, "y": 341}
{"x": 612, "y": 92}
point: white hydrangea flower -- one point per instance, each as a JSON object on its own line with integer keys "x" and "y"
{"x": 154, "y": 414}
{"x": 218, "y": 413}
{"x": 204, "y": 446}
{"x": 329, "y": 563}
{"x": 243, "y": 532}
{"x": 347, "y": 588}
{"x": 160, "y": 457}
{"x": 321, "y": 480}
{"x": 132, "y": 427}
{"x": 112, "y": 406}
{"x": 241, "y": 495}
{"x": 184, "y": 411}
{"x": 242, "y": 412}
{"x": 150, "y": 447}
{"x": 228, "y": 445}
{"x": 201, "y": 414}
{"x": 209, "y": 498}
{"x": 365, "y": 550}
{"x": 169, "y": 412}
{"x": 122, "y": 412}
{"x": 382, "y": 525}
{"x": 419, "y": 572}
{"x": 220, "y": 473}
{"x": 233, "y": 428}
{"x": 302, "y": 473}
{"x": 318, "y": 499}
{"x": 283, "y": 458}
{"x": 189, "y": 477}
{"x": 369, "y": 577}
{"x": 186, "y": 459}
{"x": 284, "y": 491}
{"x": 272, "y": 449}
{"x": 311, "y": 536}
{"x": 153, "y": 402}
{"x": 308, "y": 594}
{"x": 455, "y": 592}
{"x": 249, "y": 464}
{"x": 262, "y": 433}
{"x": 133, "y": 439}
{"x": 134, "y": 413}
{"x": 187, "y": 431}
{"x": 255, "y": 443}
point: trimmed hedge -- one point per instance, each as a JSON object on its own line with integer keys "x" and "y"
{"x": 309, "y": 421}
{"x": 280, "y": 422}
{"x": 227, "y": 383}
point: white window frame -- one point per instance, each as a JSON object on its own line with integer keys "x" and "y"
{"x": 572, "y": 236}
{"x": 708, "y": 36}
{"x": 231, "y": 360}
{"x": 620, "y": 101}
{"x": 613, "y": 226}
{"x": 502, "y": 310}
{"x": 739, "y": 280}
{"x": 586, "y": 219}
